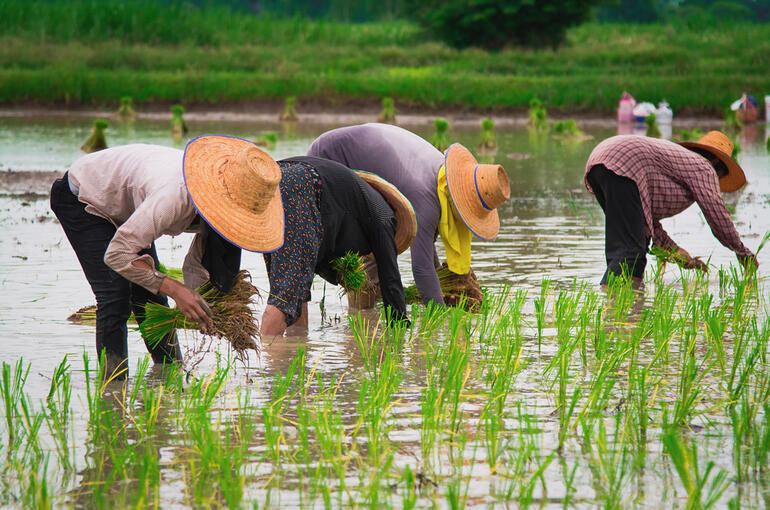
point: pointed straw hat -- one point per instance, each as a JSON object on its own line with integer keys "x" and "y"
{"x": 476, "y": 190}
{"x": 719, "y": 145}
{"x": 234, "y": 186}
{"x": 406, "y": 219}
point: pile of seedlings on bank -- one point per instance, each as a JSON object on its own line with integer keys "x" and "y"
{"x": 233, "y": 318}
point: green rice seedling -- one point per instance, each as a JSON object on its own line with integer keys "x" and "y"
{"x": 608, "y": 460}
{"x": 289, "y": 113}
{"x": 388, "y": 112}
{"x": 126, "y": 110}
{"x": 12, "y": 391}
{"x": 330, "y": 433}
{"x": 703, "y": 490}
{"x": 96, "y": 141}
{"x": 351, "y": 271}
{"x": 568, "y": 130}
{"x": 268, "y": 140}
{"x": 540, "y": 302}
{"x": 488, "y": 141}
{"x": 59, "y": 414}
{"x": 537, "y": 119}
{"x": 178, "y": 125}
{"x": 409, "y": 496}
{"x": 440, "y": 138}
{"x": 653, "y": 130}
{"x": 233, "y": 318}
{"x": 690, "y": 135}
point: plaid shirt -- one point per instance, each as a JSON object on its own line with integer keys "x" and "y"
{"x": 670, "y": 178}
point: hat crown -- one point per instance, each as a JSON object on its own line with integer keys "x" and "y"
{"x": 250, "y": 179}
{"x": 492, "y": 185}
{"x": 718, "y": 141}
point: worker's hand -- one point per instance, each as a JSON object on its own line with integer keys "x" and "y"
{"x": 273, "y": 322}
{"x": 692, "y": 262}
{"x": 191, "y": 304}
{"x": 748, "y": 261}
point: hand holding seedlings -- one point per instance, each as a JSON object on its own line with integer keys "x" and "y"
{"x": 748, "y": 261}
{"x": 692, "y": 262}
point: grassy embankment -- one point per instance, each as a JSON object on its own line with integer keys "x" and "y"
{"x": 79, "y": 52}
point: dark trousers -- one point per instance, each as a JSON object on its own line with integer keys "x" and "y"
{"x": 116, "y": 297}
{"x": 625, "y": 237}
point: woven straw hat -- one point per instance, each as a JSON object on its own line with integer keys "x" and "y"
{"x": 476, "y": 190}
{"x": 234, "y": 186}
{"x": 719, "y": 145}
{"x": 406, "y": 219}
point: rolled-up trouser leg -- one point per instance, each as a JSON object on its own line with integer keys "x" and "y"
{"x": 167, "y": 350}
{"x": 89, "y": 236}
{"x": 625, "y": 238}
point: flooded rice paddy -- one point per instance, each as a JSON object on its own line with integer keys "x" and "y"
{"x": 556, "y": 395}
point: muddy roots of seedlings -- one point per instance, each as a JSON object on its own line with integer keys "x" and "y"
{"x": 233, "y": 318}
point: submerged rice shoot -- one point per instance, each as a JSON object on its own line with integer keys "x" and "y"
{"x": 233, "y": 318}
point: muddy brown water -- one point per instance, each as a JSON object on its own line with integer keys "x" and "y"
{"x": 550, "y": 227}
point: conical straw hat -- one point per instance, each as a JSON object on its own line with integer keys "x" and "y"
{"x": 719, "y": 145}
{"x": 476, "y": 190}
{"x": 234, "y": 185}
{"x": 406, "y": 219}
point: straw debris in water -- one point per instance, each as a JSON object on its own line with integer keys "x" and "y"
{"x": 233, "y": 318}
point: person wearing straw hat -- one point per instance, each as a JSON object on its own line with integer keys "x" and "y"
{"x": 453, "y": 195}
{"x": 114, "y": 203}
{"x": 639, "y": 180}
{"x": 329, "y": 211}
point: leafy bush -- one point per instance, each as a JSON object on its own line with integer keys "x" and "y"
{"x": 493, "y": 24}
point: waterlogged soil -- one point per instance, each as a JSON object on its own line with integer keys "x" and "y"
{"x": 550, "y": 228}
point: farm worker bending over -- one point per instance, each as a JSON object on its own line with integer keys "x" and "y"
{"x": 329, "y": 211}
{"x": 114, "y": 203}
{"x": 639, "y": 180}
{"x": 451, "y": 193}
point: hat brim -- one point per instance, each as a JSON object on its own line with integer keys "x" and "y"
{"x": 406, "y": 219}
{"x": 460, "y": 165}
{"x": 203, "y": 159}
{"x": 735, "y": 177}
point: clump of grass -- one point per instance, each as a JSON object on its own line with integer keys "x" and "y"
{"x": 569, "y": 129}
{"x": 488, "y": 140}
{"x": 690, "y": 135}
{"x": 233, "y": 318}
{"x": 95, "y": 141}
{"x": 178, "y": 126}
{"x": 126, "y": 110}
{"x": 652, "y": 126}
{"x": 538, "y": 116}
{"x": 352, "y": 273}
{"x": 289, "y": 113}
{"x": 388, "y": 113}
{"x": 268, "y": 140}
{"x": 440, "y": 139}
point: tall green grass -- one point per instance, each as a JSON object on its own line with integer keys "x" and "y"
{"x": 92, "y": 52}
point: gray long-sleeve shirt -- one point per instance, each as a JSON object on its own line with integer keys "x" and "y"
{"x": 411, "y": 164}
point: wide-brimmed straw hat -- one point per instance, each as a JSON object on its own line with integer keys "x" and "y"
{"x": 234, "y": 185}
{"x": 406, "y": 219}
{"x": 719, "y": 145}
{"x": 476, "y": 190}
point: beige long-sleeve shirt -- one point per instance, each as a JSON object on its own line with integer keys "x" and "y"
{"x": 139, "y": 188}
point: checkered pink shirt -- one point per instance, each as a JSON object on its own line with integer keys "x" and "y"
{"x": 670, "y": 178}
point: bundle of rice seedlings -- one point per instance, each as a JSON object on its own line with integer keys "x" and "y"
{"x": 569, "y": 130}
{"x": 351, "y": 271}
{"x": 458, "y": 289}
{"x": 732, "y": 122}
{"x": 388, "y": 113}
{"x": 126, "y": 110}
{"x": 690, "y": 135}
{"x": 86, "y": 316}
{"x": 487, "y": 135}
{"x": 652, "y": 126}
{"x": 233, "y": 318}
{"x": 538, "y": 116}
{"x": 95, "y": 141}
{"x": 268, "y": 140}
{"x": 440, "y": 139}
{"x": 663, "y": 255}
{"x": 289, "y": 113}
{"x": 178, "y": 126}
